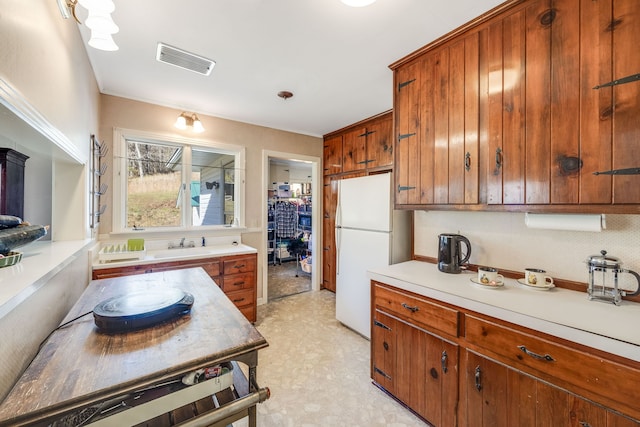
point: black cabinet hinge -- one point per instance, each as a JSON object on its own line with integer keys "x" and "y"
{"x": 403, "y": 84}
{"x": 405, "y": 135}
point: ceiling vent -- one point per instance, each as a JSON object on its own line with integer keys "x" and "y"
{"x": 183, "y": 59}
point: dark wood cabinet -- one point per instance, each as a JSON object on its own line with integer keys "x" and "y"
{"x": 357, "y": 150}
{"x": 453, "y": 366}
{"x": 364, "y": 146}
{"x": 413, "y": 362}
{"x": 12, "y": 165}
{"x": 236, "y": 275}
{"x": 499, "y": 396}
{"x": 502, "y": 113}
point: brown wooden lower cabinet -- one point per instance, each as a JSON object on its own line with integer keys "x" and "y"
{"x": 477, "y": 375}
{"x": 235, "y": 274}
{"x": 418, "y": 367}
{"x": 498, "y": 396}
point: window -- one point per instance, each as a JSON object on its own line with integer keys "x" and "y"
{"x": 168, "y": 183}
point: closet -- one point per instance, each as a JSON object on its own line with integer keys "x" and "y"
{"x": 289, "y": 227}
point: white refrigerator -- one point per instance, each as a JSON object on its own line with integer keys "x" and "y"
{"x": 369, "y": 234}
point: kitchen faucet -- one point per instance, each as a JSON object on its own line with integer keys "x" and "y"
{"x": 181, "y": 245}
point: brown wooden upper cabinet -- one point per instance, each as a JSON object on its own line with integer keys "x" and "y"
{"x": 363, "y": 146}
{"x": 502, "y": 113}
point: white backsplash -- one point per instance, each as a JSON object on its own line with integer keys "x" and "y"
{"x": 502, "y": 240}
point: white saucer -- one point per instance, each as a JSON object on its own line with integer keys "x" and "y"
{"x": 544, "y": 287}
{"x": 494, "y": 285}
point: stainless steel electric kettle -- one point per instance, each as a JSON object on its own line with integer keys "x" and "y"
{"x": 450, "y": 255}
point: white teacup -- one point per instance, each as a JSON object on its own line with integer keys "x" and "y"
{"x": 537, "y": 277}
{"x": 489, "y": 275}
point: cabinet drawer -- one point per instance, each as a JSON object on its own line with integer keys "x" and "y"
{"x": 236, "y": 282}
{"x": 417, "y": 310}
{"x": 570, "y": 368}
{"x": 241, "y": 298}
{"x": 240, "y": 265}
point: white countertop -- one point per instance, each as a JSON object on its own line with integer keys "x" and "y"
{"x": 559, "y": 312}
{"x": 41, "y": 260}
{"x": 180, "y": 254}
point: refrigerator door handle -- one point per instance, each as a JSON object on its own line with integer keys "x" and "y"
{"x": 339, "y": 207}
{"x": 338, "y": 236}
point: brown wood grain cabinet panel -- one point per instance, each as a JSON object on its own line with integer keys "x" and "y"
{"x": 486, "y": 379}
{"x": 380, "y": 142}
{"x": 456, "y": 103}
{"x": 383, "y": 351}
{"x": 354, "y": 150}
{"x": 407, "y": 153}
{"x": 332, "y": 155}
{"x": 625, "y": 26}
{"x": 513, "y": 111}
{"x": 565, "y": 100}
{"x": 541, "y": 128}
{"x": 595, "y": 135}
{"x": 495, "y": 79}
{"x": 471, "y": 118}
{"x": 538, "y": 100}
{"x": 426, "y": 131}
{"x": 417, "y": 310}
{"x": 441, "y": 128}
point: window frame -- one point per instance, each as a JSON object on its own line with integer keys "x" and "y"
{"x": 119, "y": 214}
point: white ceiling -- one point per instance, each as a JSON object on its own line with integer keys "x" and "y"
{"x": 334, "y": 58}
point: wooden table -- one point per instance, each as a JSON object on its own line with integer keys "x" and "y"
{"x": 79, "y": 366}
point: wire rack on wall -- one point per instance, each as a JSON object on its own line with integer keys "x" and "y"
{"x": 98, "y": 187}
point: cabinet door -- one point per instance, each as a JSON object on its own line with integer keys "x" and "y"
{"x": 626, "y": 61}
{"x": 380, "y": 142}
{"x": 354, "y": 150}
{"x": 330, "y": 199}
{"x": 408, "y": 91}
{"x": 332, "y": 155}
{"x": 496, "y": 395}
{"x": 426, "y": 374}
{"x": 383, "y": 351}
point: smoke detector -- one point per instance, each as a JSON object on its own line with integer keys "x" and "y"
{"x": 183, "y": 59}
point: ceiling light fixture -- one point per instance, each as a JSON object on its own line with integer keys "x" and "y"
{"x": 285, "y": 94}
{"x": 98, "y": 21}
{"x": 358, "y": 3}
{"x": 185, "y": 120}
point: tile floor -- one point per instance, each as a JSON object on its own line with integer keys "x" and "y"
{"x": 284, "y": 280}
{"x": 318, "y": 370}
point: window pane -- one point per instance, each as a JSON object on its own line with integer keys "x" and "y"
{"x": 153, "y": 185}
{"x": 212, "y": 199}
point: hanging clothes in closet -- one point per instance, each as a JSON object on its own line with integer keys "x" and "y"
{"x": 285, "y": 219}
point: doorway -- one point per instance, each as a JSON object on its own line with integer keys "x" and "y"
{"x": 291, "y": 225}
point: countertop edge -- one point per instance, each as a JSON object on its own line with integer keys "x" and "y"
{"x": 583, "y": 337}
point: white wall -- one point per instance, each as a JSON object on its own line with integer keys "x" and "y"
{"x": 502, "y": 240}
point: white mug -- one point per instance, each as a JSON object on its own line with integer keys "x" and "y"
{"x": 487, "y": 275}
{"x": 537, "y": 277}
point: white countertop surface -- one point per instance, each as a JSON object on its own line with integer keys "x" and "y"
{"x": 41, "y": 260}
{"x": 559, "y": 312}
{"x": 181, "y": 254}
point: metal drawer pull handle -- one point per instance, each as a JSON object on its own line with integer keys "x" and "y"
{"x": 239, "y": 283}
{"x": 467, "y": 161}
{"x": 585, "y": 424}
{"x": 478, "y": 379}
{"x": 410, "y": 308}
{"x": 239, "y": 266}
{"x": 238, "y": 300}
{"x": 443, "y": 361}
{"x": 546, "y": 357}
